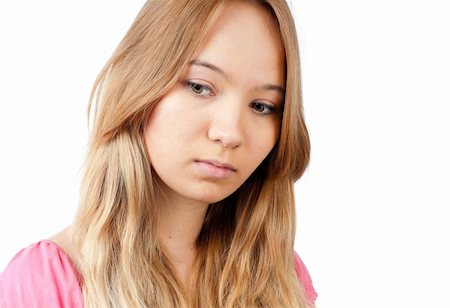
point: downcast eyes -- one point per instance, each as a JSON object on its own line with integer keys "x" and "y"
{"x": 203, "y": 91}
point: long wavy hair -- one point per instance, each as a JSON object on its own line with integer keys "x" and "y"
{"x": 245, "y": 255}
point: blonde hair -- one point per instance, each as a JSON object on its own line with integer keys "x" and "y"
{"x": 245, "y": 248}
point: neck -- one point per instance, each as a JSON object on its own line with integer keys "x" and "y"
{"x": 179, "y": 224}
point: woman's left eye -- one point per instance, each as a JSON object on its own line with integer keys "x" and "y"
{"x": 199, "y": 89}
{"x": 264, "y": 109}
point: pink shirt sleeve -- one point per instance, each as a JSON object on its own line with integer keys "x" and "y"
{"x": 41, "y": 275}
{"x": 305, "y": 279}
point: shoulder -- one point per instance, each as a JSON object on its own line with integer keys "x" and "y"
{"x": 40, "y": 275}
{"x": 305, "y": 279}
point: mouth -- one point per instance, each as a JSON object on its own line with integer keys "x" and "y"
{"x": 218, "y": 164}
{"x": 214, "y": 169}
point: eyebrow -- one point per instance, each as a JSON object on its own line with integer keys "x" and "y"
{"x": 217, "y": 69}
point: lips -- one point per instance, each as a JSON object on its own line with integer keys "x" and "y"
{"x": 218, "y": 164}
{"x": 214, "y": 170}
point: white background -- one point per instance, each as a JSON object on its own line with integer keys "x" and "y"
{"x": 373, "y": 206}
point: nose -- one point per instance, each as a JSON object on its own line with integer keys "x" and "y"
{"x": 226, "y": 125}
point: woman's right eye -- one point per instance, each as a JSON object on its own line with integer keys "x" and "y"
{"x": 199, "y": 89}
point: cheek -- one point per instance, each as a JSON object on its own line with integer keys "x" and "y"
{"x": 173, "y": 125}
{"x": 264, "y": 140}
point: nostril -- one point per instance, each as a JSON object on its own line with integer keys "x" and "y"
{"x": 230, "y": 137}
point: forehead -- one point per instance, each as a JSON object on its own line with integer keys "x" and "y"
{"x": 246, "y": 44}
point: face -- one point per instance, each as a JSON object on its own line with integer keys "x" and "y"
{"x": 219, "y": 122}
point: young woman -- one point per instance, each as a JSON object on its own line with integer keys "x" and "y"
{"x": 187, "y": 198}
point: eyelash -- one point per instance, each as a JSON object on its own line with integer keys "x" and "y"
{"x": 189, "y": 85}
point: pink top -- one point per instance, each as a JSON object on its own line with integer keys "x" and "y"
{"x": 42, "y": 275}
{"x": 305, "y": 279}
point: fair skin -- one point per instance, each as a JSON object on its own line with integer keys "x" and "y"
{"x": 226, "y": 107}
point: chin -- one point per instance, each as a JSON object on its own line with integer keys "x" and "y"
{"x": 210, "y": 197}
{"x": 206, "y": 191}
